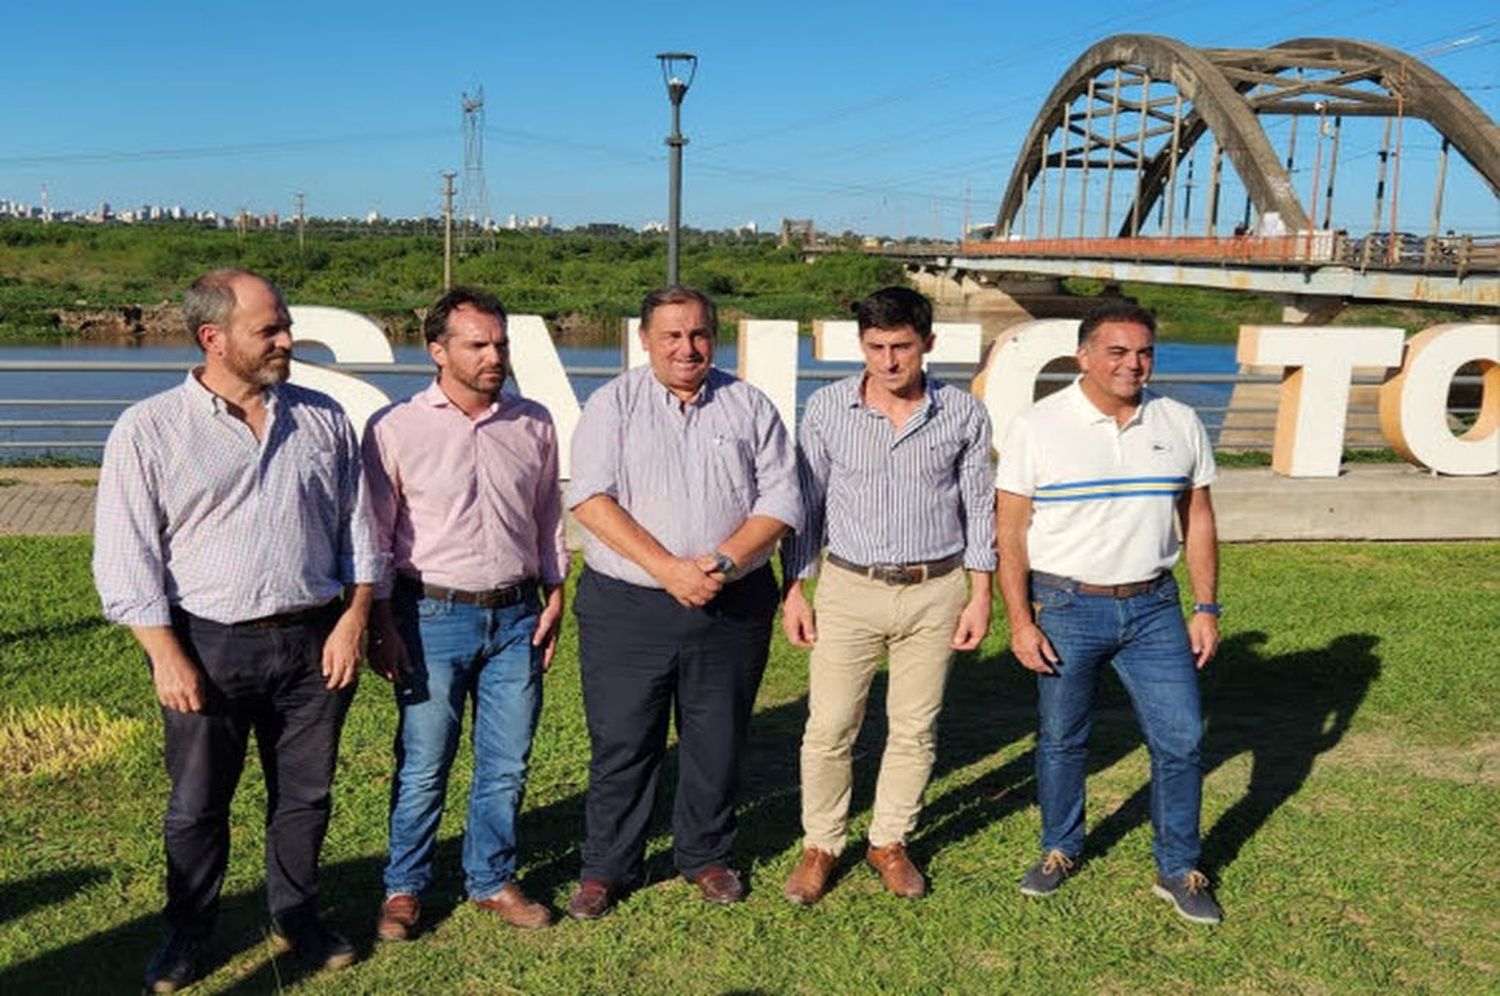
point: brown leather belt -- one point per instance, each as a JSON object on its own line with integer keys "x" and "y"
{"x": 901, "y": 573}
{"x": 494, "y": 598}
{"x": 281, "y": 620}
{"x": 1129, "y": 590}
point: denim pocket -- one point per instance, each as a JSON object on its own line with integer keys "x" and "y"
{"x": 1046, "y": 597}
{"x": 1168, "y": 591}
{"x": 433, "y": 608}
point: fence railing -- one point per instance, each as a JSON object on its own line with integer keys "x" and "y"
{"x": 1236, "y": 418}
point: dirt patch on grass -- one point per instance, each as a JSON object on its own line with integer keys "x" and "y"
{"x": 52, "y": 740}
{"x": 1470, "y": 764}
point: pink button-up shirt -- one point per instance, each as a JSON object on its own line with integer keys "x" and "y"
{"x": 471, "y": 504}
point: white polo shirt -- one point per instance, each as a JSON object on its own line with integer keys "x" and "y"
{"x": 1104, "y": 496}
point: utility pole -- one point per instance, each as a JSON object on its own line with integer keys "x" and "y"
{"x": 300, "y": 198}
{"x": 448, "y": 230}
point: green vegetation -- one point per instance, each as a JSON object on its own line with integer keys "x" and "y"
{"x": 1350, "y": 803}
{"x": 574, "y": 280}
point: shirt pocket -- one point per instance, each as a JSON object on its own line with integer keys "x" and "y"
{"x": 940, "y": 460}
{"x": 733, "y": 463}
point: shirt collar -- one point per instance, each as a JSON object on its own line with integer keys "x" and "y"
{"x": 434, "y": 396}
{"x": 1093, "y": 415}
{"x": 705, "y": 390}
{"x": 850, "y": 392}
{"x": 200, "y": 396}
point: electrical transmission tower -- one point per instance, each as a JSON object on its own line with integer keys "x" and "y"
{"x": 474, "y": 203}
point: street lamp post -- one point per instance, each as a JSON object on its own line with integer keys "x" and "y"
{"x": 677, "y": 71}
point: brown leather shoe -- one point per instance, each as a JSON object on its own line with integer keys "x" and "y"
{"x": 809, "y": 881}
{"x": 511, "y": 905}
{"x": 592, "y": 899}
{"x": 900, "y": 876}
{"x": 720, "y": 885}
{"x": 398, "y": 917}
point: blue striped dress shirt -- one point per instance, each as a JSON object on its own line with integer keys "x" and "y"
{"x": 689, "y": 473}
{"x": 875, "y": 494}
{"x": 194, "y": 511}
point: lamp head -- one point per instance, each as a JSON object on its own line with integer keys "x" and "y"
{"x": 677, "y": 72}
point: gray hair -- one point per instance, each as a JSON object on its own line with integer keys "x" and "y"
{"x": 211, "y": 301}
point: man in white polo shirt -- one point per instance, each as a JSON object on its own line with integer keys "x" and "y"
{"x": 1092, "y": 484}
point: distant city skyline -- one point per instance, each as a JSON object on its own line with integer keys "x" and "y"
{"x": 874, "y": 117}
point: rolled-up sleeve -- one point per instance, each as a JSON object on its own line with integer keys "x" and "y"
{"x": 361, "y": 559}
{"x": 382, "y": 485}
{"x": 129, "y": 569}
{"x": 976, "y": 476}
{"x": 552, "y": 544}
{"x": 777, "y": 494}
{"x": 596, "y": 448}
{"x": 799, "y": 551}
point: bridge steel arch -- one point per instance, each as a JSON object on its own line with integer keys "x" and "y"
{"x": 1229, "y": 89}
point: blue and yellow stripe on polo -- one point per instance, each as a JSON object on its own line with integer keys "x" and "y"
{"x": 1110, "y": 488}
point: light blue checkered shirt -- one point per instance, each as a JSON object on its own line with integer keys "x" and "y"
{"x": 194, "y": 511}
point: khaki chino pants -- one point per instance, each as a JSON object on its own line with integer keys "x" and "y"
{"x": 860, "y": 620}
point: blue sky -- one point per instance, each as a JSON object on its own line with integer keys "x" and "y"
{"x": 874, "y": 116}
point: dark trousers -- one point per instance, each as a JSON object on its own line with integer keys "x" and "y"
{"x": 270, "y": 681}
{"x": 643, "y": 658}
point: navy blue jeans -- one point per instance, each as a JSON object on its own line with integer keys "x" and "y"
{"x": 462, "y": 654}
{"x": 1145, "y": 639}
{"x": 643, "y": 659}
{"x": 269, "y": 681}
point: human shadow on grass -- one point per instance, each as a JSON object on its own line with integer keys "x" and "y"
{"x": 1284, "y": 710}
{"x": 46, "y": 889}
{"x": 992, "y": 706}
{"x": 980, "y": 715}
{"x": 57, "y": 630}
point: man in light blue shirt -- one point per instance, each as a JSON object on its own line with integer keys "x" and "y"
{"x": 231, "y": 522}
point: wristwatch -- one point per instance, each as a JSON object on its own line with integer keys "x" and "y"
{"x": 1208, "y": 608}
{"x": 724, "y": 564}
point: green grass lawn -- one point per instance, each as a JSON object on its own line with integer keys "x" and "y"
{"x": 1352, "y": 798}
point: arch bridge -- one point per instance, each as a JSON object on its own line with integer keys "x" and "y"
{"x": 1105, "y": 182}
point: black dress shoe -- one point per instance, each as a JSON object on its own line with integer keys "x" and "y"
{"x": 176, "y": 964}
{"x": 314, "y": 944}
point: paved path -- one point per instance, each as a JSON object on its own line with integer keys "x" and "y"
{"x": 50, "y": 500}
{"x": 1370, "y": 502}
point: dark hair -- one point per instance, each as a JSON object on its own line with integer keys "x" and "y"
{"x": 893, "y": 308}
{"x": 210, "y": 299}
{"x": 1114, "y": 311}
{"x": 435, "y": 324}
{"x": 678, "y": 294}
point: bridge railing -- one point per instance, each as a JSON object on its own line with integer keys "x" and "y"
{"x": 76, "y": 427}
{"x": 1379, "y": 250}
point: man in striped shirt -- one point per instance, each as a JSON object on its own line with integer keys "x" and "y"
{"x": 1093, "y": 483}
{"x": 897, "y": 480}
{"x": 231, "y": 522}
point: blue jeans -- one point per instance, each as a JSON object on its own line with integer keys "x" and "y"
{"x": 461, "y": 652}
{"x": 1145, "y": 639}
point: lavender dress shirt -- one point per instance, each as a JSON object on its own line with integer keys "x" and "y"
{"x": 689, "y": 473}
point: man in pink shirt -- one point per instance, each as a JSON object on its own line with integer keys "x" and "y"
{"x": 463, "y": 481}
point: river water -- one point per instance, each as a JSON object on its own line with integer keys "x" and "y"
{"x": 57, "y": 397}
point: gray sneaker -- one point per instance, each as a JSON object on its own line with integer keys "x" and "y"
{"x": 1043, "y": 878}
{"x": 1192, "y": 896}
